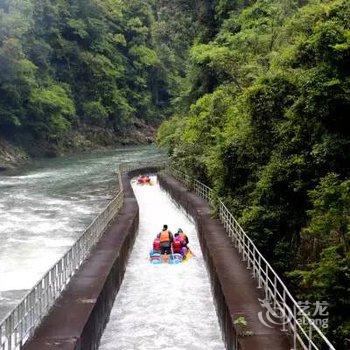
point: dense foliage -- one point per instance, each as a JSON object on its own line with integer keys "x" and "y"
{"x": 258, "y": 90}
{"x": 65, "y": 64}
{"x": 263, "y": 120}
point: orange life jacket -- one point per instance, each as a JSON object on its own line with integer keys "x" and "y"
{"x": 164, "y": 236}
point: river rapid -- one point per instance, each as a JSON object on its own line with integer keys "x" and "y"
{"x": 163, "y": 306}
{"x": 44, "y": 208}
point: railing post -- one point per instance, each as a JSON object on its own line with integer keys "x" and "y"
{"x": 248, "y": 257}
{"x": 310, "y": 336}
{"x": 243, "y": 249}
{"x": 254, "y": 264}
{"x": 267, "y": 282}
{"x": 295, "y": 327}
{"x": 8, "y": 332}
{"x": 274, "y": 291}
{"x": 259, "y": 272}
{"x": 284, "y": 309}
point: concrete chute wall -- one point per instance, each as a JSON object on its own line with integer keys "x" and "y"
{"x": 235, "y": 291}
{"x": 78, "y": 318}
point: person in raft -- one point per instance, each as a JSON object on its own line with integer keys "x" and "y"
{"x": 179, "y": 245}
{"x": 156, "y": 246}
{"x": 143, "y": 179}
{"x": 183, "y": 237}
{"x": 165, "y": 238}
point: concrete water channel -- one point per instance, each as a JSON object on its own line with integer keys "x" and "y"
{"x": 109, "y": 296}
{"x": 163, "y": 306}
{"x": 184, "y": 295}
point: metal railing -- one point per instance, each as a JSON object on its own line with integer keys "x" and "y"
{"x": 157, "y": 163}
{"x": 304, "y": 332}
{"x": 21, "y": 322}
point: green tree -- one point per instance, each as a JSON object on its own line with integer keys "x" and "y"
{"x": 263, "y": 119}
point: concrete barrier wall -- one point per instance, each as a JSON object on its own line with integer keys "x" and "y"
{"x": 235, "y": 291}
{"x": 79, "y": 316}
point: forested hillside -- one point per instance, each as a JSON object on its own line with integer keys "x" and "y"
{"x": 70, "y": 70}
{"x": 262, "y": 117}
{"x": 258, "y": 96}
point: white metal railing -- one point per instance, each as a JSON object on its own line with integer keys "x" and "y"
{"x": 157, "y": 163}
{"x": 304, "y": 332}
{"x": 21, "y": 322}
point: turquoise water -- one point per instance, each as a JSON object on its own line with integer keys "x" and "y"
{"x": 45, "y": 206}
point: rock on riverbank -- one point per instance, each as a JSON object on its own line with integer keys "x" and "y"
{"x": 10, "y": 155}
{"x": 85, "y": 138}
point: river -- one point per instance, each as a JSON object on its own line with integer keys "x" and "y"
{"x": 45, "y": 206}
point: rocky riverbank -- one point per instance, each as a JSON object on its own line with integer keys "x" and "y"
{"x": 10, "y": 155}
{"x": 22, "y": 148}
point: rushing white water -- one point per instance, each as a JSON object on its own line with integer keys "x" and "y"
{"x": 45, "y": 207}
{"x": 163, "y": 306}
